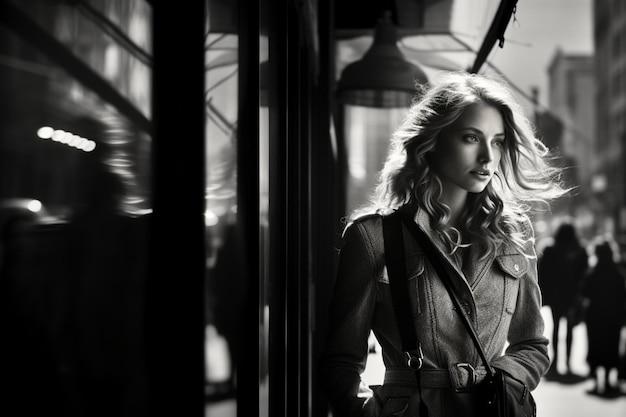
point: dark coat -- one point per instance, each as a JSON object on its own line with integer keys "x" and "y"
{"x": 605, "y": 290}
{"x": 561, "y": 270}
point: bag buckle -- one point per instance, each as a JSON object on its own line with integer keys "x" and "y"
{"x": 415, "y": 358}
{"x": 471, "y": 377}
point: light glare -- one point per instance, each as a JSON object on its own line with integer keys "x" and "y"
{"x": 67, "y": 138}
{"x": 45, "y": 132}
{"x": 34, "y": 206}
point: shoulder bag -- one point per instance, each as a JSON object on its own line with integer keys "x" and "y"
{"x": 499, "y": 394}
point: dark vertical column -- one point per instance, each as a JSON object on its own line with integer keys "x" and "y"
{"x": 248, "y": 206}
{"x": 175, "y": 326}
{"x": 279, "y": 104}
{"x": 327, "y": 199}
{"x": 291, "y": 69}
{"x": 305, "y": 231}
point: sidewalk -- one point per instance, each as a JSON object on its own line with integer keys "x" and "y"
{"x": 559, "y": 399}
{"x": 566, "y": 396}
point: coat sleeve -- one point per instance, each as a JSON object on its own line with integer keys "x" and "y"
{"x": 526, "y": 356}
{"x": 351, "y": 311}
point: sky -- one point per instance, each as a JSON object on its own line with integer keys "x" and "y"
{"x": 533, "y": 36}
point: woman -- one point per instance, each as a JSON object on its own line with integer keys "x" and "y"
{"x": 604, "y": 290}
{"x": 466, "y": 164}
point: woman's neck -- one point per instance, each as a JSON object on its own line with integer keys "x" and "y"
{"x": 456, "y": 202}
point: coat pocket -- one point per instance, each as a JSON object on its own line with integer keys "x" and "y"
{"x": 394, "y": 400}
{"x": 395, "y": 406}
{"x": 513, "y": 267}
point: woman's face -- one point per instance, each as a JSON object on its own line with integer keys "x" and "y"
{"x": 468, "y": 151}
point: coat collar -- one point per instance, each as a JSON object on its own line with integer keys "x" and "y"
{"x": 473, "y": 267}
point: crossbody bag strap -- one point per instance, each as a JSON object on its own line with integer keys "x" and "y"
{"x": 396, "y": 270}
{"x": 398, "y": 286}
{"x": 442, "y": 267}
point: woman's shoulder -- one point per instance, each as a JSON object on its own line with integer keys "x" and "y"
{"x": 369, "y": 217}
{"x": 521, "y": 236}
{"x": 364, "y": 235}
{"x": 364, "y": 221}
{"x": 526, "y": 227}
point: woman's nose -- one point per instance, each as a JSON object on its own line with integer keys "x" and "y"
{"x": 485, "y": 153}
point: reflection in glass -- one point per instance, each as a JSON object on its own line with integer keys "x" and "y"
{"x": 224, "y": 280}
{"x": 74, "y": 219}
{"x": 264, "y": 229}
{"x": 367, "y": 134}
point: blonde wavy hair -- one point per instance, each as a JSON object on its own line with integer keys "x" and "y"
{"x": 499, "y": 214}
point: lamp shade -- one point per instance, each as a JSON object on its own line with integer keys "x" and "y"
{"x": 383, "y": 77}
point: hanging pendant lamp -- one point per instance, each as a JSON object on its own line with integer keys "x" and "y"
{"x": 383, "y": 77}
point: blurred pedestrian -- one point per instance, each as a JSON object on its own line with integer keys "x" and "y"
{"x": 604, "y": 290}
{"x": 561, "y": 270}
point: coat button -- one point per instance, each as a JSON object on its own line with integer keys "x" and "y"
{"x": 516, "y": 267}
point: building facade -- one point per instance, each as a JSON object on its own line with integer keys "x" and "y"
{"x": 610, "y": 99}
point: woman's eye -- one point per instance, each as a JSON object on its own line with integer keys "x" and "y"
{"x": 498, "y": 143}
{"x": 471, "y": 138}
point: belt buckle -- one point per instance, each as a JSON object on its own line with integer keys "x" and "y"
{"x": 471, "y": 378}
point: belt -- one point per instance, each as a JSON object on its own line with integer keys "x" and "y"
{"x": 461, "y": 377}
